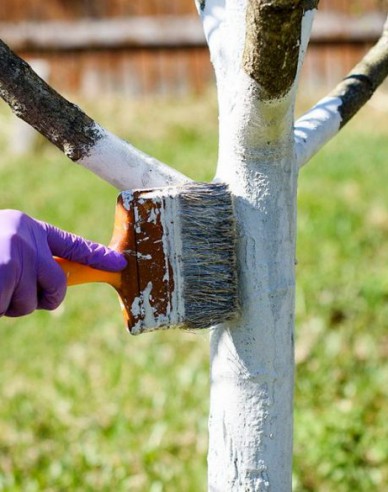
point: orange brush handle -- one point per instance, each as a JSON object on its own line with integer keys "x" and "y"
{"x": 81, "y": 274}
{"x": 124, "y": 282}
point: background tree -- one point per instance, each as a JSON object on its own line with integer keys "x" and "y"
{"x": 257, "y": 49}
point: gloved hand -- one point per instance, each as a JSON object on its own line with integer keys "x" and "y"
{"x": 29, "y": 277}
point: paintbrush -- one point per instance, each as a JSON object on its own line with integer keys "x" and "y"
{"x": 179, "y": 243}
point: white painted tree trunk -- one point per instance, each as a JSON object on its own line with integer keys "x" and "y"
{"x": 252, "y": 363}
{"x": 252, "y": 359}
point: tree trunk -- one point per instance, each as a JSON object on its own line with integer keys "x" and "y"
{"x": 257, "y": 50}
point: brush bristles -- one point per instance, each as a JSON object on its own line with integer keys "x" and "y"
{"x": 208, "y": 254}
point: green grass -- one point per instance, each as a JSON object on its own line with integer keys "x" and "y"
{"x": 342, "y": 312}
{"x": 86, "y": 407}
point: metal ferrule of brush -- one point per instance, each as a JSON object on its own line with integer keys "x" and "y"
{"x": 184, "y": 242}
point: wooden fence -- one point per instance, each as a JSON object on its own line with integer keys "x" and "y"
{"x": 137, "y": 47}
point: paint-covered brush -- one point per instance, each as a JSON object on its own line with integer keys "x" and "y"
{"x": 180, "y": 246}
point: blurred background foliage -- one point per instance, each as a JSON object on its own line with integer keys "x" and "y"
{"x": 85, "y": 406}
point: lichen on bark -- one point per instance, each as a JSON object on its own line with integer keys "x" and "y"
{"x": 273, "y": 35}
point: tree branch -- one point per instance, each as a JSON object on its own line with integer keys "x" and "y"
{"x": 34, "y": 101}
{"x": 74, "y": 132}
{"x": 328, "y": 116}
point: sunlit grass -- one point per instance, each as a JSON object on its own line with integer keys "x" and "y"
{"x": 342, "y": 313}
{"x": 85, "y": 406}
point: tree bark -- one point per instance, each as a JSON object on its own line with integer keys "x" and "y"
{"x": 257, "y": 50}
{"x": 34, "y": 101}
{"x": 82, "y": 139}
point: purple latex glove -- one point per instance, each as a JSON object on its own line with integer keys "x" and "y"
{"x": 29, "y": 277}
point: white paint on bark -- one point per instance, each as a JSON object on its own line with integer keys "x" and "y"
{"x": 252, "y": 359}
{"x": 126, "y": 167}
{"x": 315, "y": 128}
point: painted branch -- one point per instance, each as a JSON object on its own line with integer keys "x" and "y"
{"x": 74, "y": 132}
{"x": 328, "y": 116}
{"x": 257, "y": 49}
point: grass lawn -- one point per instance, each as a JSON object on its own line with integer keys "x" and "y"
{"x": 87, "y": 407}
